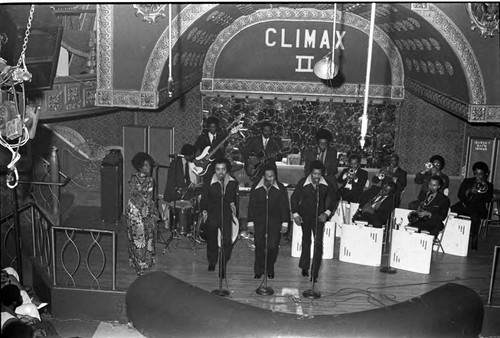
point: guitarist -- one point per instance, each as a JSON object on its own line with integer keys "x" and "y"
{"x": 212, "y": 137}
{"x": 261, "y": 146}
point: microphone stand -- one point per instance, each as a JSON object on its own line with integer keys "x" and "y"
{"x": 173, "y": 227}
{"x": 263, "y": 289}
{"x": 222, "y": 264}
{"x": 311, "y": 293}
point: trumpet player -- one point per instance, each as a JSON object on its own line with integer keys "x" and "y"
{"x": 474, "y": 193}
{"x": 352, "y": 180}
{"x": 433, "y": 208}
{"x": 393, "y": 173}
{"x": 434, "y": 167}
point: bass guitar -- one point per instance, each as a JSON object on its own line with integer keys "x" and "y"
{"x": 204, "y": 160}
{"x": 255, "y": 161}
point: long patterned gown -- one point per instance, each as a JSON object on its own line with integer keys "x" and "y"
{"x": 142, "y": 216}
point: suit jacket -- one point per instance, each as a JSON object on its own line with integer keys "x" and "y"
{"x": 400, "y": 177}
{"x": 353, "y": 194}
{"x": 438, "y": 207}
{"x": 303, "y": 199}
{"x": 255, "y": 146}
{"x": 203, "y": 141}
{"x": 211, "y": 201}
{"x": 176, "y": 181}
{"x": 474, "y": 201}
{"x": 424, "y": 179}
{"x": 384, "y": 209}
{"x": 330, "y": 163}
{"x": 276, "y": 201}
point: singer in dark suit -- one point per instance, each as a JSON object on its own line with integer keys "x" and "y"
{"x": 474, "y": 194}
{"x": 325, "y": 153}
{"x": 262, "y": 146}
{"x": 268, "y": 208}
{"x": 352, "y": 185}
{"x": 433, "y": 208}
{"x": 394, "y": 173}
{"x": 212, "y": 137}
{"x": 376, "y": 205}
{"x": 180, "y": 176}
{"x": 219, "y": 203}
{"x": 312, "y": 201}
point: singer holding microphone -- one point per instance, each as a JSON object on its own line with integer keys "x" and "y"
{"x": 312, "y": 201}
{"x": 218, "y": 204}
{"x": 269, "y": 214}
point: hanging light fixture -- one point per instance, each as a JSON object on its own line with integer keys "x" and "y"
{"x": 170, "y": 84}
{"x": 364, "y": 118}
{"x": 326, "y": 68}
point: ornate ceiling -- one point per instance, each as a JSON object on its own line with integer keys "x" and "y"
{"x": 430, "y": 48}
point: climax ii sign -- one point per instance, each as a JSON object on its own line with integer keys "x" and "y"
{"x": 305, "y": 39}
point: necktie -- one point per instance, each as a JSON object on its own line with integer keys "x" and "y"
{"x": 186, "y": 173}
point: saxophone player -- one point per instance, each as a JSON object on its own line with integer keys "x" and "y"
{"x": 474, "y": 193}
{"x": 434, "y": 167}
{"x": 393, "y": 173}
{"x": 352, "y": 180}
{"x": 433, "y": 208}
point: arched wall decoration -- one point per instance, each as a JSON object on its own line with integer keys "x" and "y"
{"x": 306, "y": 88}
{"x": 105, "y": 53}
{"x": 457, "y": 41}
{"x": 159, "y": 56}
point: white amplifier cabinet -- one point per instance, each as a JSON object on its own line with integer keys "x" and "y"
{"x": 411, "y": 251}
{"x": 401, "y": 217}
{"x": 455, "y": 239}
{"x": 328, "y": 241}
{"x": 361, "y": 245}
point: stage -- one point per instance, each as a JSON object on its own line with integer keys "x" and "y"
{"x": 345, "y": 287}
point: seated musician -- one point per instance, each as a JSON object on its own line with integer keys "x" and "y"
{"x": 324, "y": 152}
{"x": 261, "y": 149}
{"x": 376, "y": 205}
{"x": 432, "y": 209}
{"x": 433, "y": 168}
{"x": 181, "y": 179}
{"x": 211, "y": 138}
{"x": 474, "y": 193}
{"x": 352, "y": 180}
{"x": 393, "y": 173}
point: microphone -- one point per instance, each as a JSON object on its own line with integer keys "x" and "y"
{"x": 176, "y": 155}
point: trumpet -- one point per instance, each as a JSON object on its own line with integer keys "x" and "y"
{"x": 481, "y": 186}
{"x": 429, "y": 165}
{"x": 385, "y": 171}
{"x": 351, "y": 175}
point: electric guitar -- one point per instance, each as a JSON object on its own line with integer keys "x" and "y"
{"x": 255, "y": 161}
{"x": 203, "y": 161}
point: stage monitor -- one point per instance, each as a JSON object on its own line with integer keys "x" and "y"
{"x": 44, "y": 42}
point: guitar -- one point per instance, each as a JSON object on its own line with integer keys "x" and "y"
{"x": 203, "y": 161}
{"x": 255, "y": 161}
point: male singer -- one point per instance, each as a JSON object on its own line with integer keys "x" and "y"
{"x": 268, "y": 212}
{"x": 313, "y": 201}
{"x": 352, "y": 180}
{"x": 218, "y": 204}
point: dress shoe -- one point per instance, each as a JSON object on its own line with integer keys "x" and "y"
{"x": 270, "y": 275}
{"x": 222, "y": 275}
{"x": 305, "y": 272}
{"x": 315, "y": 279}
{"x": 211, "y": 267}
{"x": 257, "y": 276}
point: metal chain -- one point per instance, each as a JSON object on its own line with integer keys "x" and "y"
{"x": 26, "y": 35}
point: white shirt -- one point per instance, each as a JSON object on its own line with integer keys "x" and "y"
{"x": 264, "y": 141}
{"x": 192, "y": 176}
{"x": 211, "y": 137}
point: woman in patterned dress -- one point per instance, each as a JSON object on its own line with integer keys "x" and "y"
{"x": 142, "y": 214}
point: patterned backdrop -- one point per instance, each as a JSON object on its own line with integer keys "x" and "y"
{"x": 298, "y": 121}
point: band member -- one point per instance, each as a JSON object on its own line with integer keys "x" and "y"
{"x": 264, "y": 147}
{"x": 218, "y": 204}
{"x": 474, "y": 193}
{"x": 433, "y": 168}
{"x": 432, "y": 209}
{"x": 377, "y": 205}
{"x": 325, "y": 153}
{"x": 313, "y": 201}
{"x": 352, "y": 180}
{"x": 268, "y": 211}
{"x": 393, "y": 173}
{"x": 142, "y": 214}
{"x": 181, "y": 176}
{"x": 212, "y": 137}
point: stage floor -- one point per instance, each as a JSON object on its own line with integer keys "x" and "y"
{"x": 344, "y": 287}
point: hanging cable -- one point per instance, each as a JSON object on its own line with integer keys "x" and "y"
{"x": 170, "y": 78}
{"x": 364, "y": 118}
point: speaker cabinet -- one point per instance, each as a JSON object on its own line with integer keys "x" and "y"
{"x": 44, "y": 42}
{"x": 111, "y": 193}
